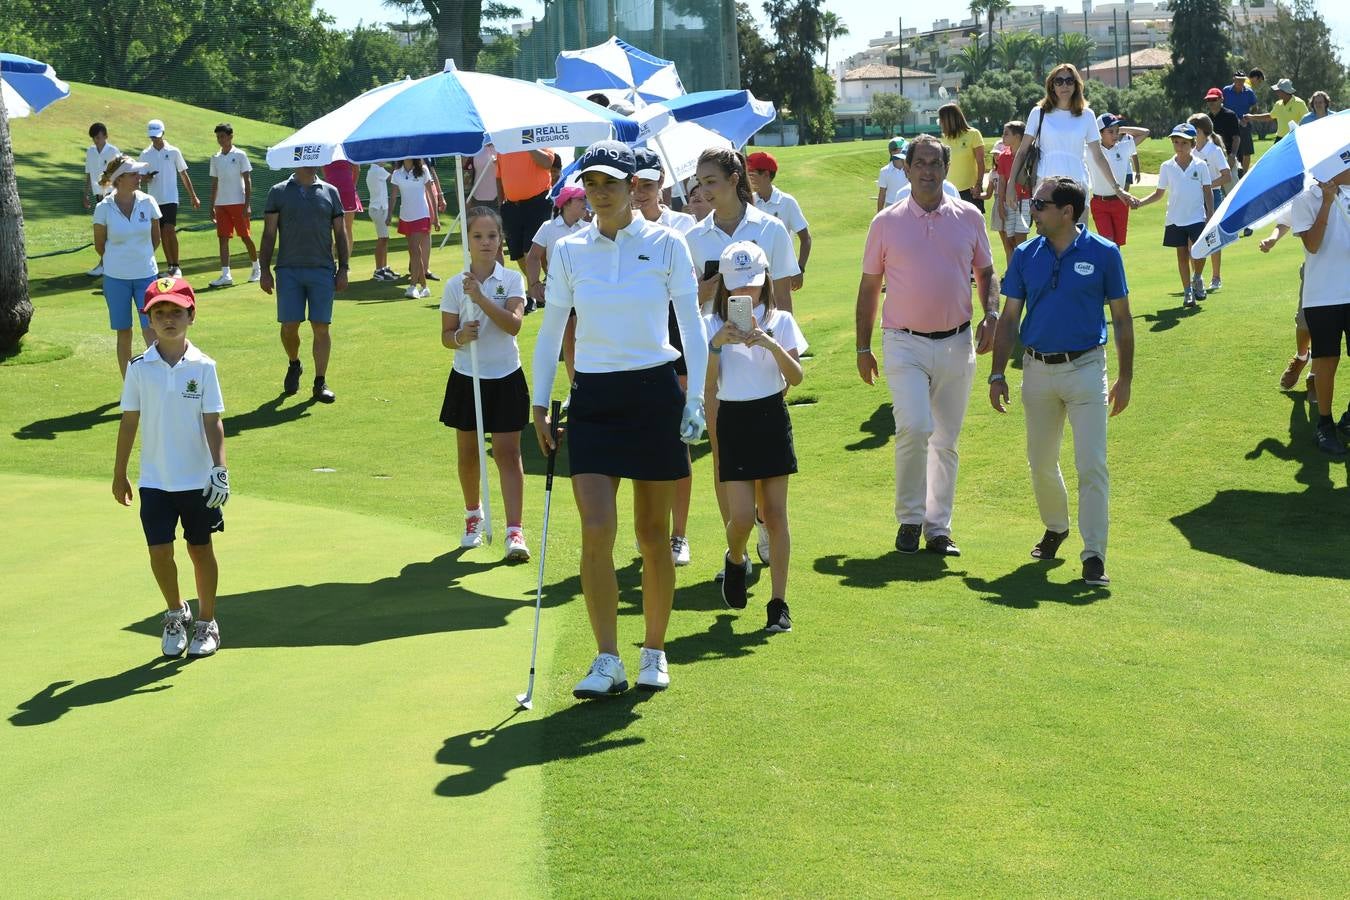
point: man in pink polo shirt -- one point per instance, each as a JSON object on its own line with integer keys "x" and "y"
{"x": 925, "y": 248}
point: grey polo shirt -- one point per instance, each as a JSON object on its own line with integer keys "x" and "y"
{"x": 304, "y": 222}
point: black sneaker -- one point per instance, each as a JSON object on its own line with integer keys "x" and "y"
{"x": 1094, "y": 571}
{"x": 733, "y": 582}
{"x": 942, "y": 545}
{"x": 1329, "y": 442}
{"x": 1048, "y": 548}
{"x": 779, "y": 620}
{"x": 292, "y": 382}
{"x": 322, "y": 392}
{"x": 907, "y": 538}
{"x": 431, "y": 277}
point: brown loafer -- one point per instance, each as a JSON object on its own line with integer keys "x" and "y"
{"x": 1291, "y": 373}
{"x": 1049, "y": 545}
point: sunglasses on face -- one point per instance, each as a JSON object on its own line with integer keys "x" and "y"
{"x": 1064, "y": 80}
{"x": 1039, "y": 205}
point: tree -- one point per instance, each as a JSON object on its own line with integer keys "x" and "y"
{"x": 758, "y": 74}
{"x": 1000, "y": 97}
{"x": 1296, "y": 45}
{"x": 1076, "y": 48}
{"x": 1147, "y": 103}
{"x": 459, "y": 25}
{"x": 16, "y": 310}
{"x": 1199, "y": 50}
{"x": 1038, "y": 53}
{"x": 972, "y": 62}
{"x": 831, "y": 26}
{"x": 1011, "y": 48}
{"x": 888, "y": 111}
{"x": 818, "y": 125}
{"x": 992, "y": 8}
{"x": 798, "y": 38}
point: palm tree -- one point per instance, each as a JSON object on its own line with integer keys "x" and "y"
{"x": 831, "y": 26}
{"x": 972, "y": 62}
{"x": 1038, "y": 53}
{"x": 1011, "y": 48}
{"x": 1076, "y": 48}
{"x": 991, "y": 7}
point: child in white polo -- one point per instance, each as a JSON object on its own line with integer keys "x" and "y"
{"x": 171, "y": 394}
{"x": 1189, "y": 206}
{"x": 377, "y": 187}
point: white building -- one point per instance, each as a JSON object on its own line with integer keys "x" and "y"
{"x": 854, "y": 89}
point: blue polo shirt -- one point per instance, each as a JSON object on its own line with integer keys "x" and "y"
{"x": 1242, "y": 103}
{"x": 1063, "y": 297}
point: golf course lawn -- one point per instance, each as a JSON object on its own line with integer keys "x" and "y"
{"x": 977, "y": 726}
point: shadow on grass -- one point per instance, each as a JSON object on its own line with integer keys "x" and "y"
{"x": 573, "y": 732}
{"x": 423, "y": 598}
{"x": 1167, "y": 319}
{"x": 47, "y": 705}
{"x": 878, "y": 430}
{"x": 1271, "y": 531}
{"x": 889, "y": 568}
{"x": 720, "y": 641}
{"x": 268, "y": 414}
{"x": 1029, "y": 585}
{"x": 48, "y": 429}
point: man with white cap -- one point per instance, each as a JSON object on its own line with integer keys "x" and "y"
{"x": 167, "y": 168}
{"x": 1286, "y": 111}
{"x": 892, "y": 177}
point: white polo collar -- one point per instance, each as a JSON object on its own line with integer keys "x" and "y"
{"x": 632, "y": 229}
{"x": 191, "y": 354}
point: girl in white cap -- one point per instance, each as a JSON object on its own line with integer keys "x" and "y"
{"x": 750, "y": 369}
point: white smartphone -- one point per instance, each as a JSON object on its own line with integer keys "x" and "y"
{"x": 738, "y": 312}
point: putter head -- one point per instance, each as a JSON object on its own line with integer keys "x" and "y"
{"x": 524, "y": 701}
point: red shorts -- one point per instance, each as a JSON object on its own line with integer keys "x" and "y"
{"x": 1112, "y": 217}
{"x": 232, "y": 221}
{"x": 416, "y": 226}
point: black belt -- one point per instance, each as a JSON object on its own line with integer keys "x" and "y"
{"x": 937, "y": 335}
{"x": 1105, "y": 197}
{"x": 1057, "y": 358}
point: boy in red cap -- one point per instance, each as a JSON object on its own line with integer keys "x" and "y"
{"x": 762, "y": 168}
{"x": 173, "y": 388}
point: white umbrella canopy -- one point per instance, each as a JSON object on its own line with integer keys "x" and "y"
{"x": 620, "y": 71}
{"x": 28, "y": 86}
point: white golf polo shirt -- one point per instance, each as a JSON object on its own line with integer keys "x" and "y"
{"x": 172, "y": 401}
{"x": 622, "y": 290}
{"x": 377, "y": 186}
{"x": 682, "y": 222}
{"x": 1118, "y": 157}
{"x": 783, "y": 207}
{"x": 1186, "y": 202}
{"x": 166, "y": 164}
{"x": 707, "y": 241}
{"x": 553, "y": 231}
{"x": 128, "y": 253}
{"x": 498, "y": 354}
{"x": 752, "y": 373}
{"x": 892, "y": 180}
{"x": 96, "y": 163}
{"x": 1215, "y": 158}
{"x": 1326, "y": 273}
{"x": 228, "y": 169}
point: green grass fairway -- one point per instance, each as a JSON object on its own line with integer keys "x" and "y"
{"x": 981, "y": 726}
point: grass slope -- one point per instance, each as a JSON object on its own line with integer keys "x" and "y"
{"x": 979, "y": 726}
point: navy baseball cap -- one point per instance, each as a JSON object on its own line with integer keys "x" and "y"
{"x": 647, "y": 164}
{"x": 614, "y": 158}
{"x": 1109, "y": 120}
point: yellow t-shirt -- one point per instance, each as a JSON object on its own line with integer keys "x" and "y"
{"x": 1287, "y": 114}
{"x": 963, "y": 171}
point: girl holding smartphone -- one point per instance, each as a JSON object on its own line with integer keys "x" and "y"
{"x": 754, "y": 357}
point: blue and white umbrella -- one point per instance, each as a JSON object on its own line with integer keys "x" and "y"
{"x": 617, "y": 67}
{"x": 451, "y": 113}
{"x": 28, "y": 86}
{"x": 1319, "y": 150}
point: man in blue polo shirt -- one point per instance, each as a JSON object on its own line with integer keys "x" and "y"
{"x": 1063, "y": 278}
{"x": 1240, "y": 99}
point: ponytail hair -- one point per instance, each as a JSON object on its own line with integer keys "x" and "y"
{"x": 732, "y": 163}
{"x": 106, "y": 178}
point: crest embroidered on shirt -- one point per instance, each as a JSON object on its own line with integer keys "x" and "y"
{"x": 501, "y": 290}
{"x": 193, "y": 390}
{"x": 1084, "y": 268}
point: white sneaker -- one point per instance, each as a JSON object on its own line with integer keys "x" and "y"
{"x": 225, "y": 280}
{"x": 652, "y": 672}
{"x": 205, "y": 639}
{"x": 1215, "y": 284}
{"x": 175, "y": 272}
{"x": 411, "y": 292}
{"x": 516, "y": 550}
{"x": 679, "y": 550}
{"x": 256, "y": 274}
{"x": 423, "y": 292}
{"x": 473, "y": 532}
{"x": 606, "y": 677}
{"x": 762, "y": 543}
{"x": 175, "y": 639}
{"x": 95, "y": 271}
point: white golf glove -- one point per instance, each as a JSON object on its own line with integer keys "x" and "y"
{"x": 692, "y": 422}
{"x": 217, "y": 489}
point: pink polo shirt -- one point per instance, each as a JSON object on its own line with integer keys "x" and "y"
{"x": 926, "y": 258}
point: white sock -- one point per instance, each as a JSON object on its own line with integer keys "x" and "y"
{"x": 477, "y": 511}
{"x": 224, "y": 271}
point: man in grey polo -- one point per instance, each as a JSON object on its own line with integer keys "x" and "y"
{"x": 307, "y": 212}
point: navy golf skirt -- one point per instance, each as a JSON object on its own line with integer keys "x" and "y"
{"x": 754, "y": 439}
{"x": 627, "y": 425}
{"x": 506, "y": 403}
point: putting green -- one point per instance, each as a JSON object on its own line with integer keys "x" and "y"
{"x": 284, "y": 743}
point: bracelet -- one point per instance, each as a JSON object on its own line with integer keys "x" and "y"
{"x": 458, "y": 342}
{"x": 864, "y": 349}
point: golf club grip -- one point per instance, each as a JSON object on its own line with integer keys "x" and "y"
{"x": 554, "y": 412}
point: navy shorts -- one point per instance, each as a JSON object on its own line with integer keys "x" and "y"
{"x": 305, "y": 293}
{"x": 168, "y": 215}
{"x": 1329, "y": 327}
{"x": 161, "y": 511}
{"x": 1182, "y": 235}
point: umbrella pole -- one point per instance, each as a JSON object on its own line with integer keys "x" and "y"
{"x": 473, "y": 361}
{"x": 679, "y": 182}
{"x": 445, "y": 238}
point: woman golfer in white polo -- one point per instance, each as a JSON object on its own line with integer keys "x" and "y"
{"x": 627, "y": 414}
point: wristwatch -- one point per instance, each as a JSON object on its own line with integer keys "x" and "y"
{"x": 996, "y": 376}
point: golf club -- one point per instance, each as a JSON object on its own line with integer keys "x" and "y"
{"x": 526, "y": 700}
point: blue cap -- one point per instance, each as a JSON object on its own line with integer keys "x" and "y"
{"x": 1109, "y": 120}
{"x": 647, "y": 164}
{"x": 1183, "y": 130}
{"x": 614, "y": 158}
